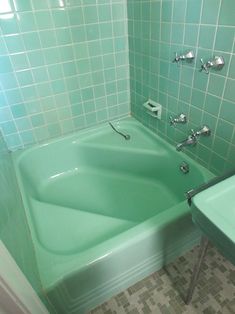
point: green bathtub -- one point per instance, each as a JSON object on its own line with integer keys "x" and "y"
{"x": 104, "y": 212}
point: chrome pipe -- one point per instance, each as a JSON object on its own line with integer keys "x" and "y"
{"x": 126, "y": 136}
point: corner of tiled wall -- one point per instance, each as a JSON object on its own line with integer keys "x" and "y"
{"x": 63, "y": 66}
{"x": 158, "y": 29}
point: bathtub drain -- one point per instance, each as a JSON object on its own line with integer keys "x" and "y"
{"x": 184, "y": 167}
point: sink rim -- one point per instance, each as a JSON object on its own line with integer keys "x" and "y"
{"x": 207, "y": 201}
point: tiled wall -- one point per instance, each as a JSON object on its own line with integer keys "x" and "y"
{"x": 158, "y": 29}
{"x": 63, "y": 66}
{"x": 14, "y": 231}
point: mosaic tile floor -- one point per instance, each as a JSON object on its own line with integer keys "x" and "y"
{"x": 161, "y": 292}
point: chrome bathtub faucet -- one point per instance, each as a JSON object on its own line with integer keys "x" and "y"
{"x": 192, "y": 139}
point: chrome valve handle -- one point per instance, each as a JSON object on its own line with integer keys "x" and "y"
{"x": 181, "y": 118}
{"x": 188, "y": 56}
{"x": 193, "y": 134}
{"x": 204, "y": 131}
{"x": 217, "y": 63}
{"x": 204, "y": 66}
{"x": 177, "y": 58}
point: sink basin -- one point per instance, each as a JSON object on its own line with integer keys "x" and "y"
{"x": 213, "y": 211}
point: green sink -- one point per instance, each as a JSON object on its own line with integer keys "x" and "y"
{"x": 213, "y": 211}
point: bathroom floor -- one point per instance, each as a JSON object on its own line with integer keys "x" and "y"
{"x": 161, "y": 292}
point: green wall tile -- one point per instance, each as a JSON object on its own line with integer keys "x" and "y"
{"x": 198, "y": 98}
{"x": 14, "y": 44}
{"x": 26, "y": 22}
{"x": 9, "y": 26}
{"x": 228, "y": 111}
{"x": 231, "y": 154}
{"x": 217, "y": 163}
{"x": 27, "y": 137}
{"x": 90, "y": 14}
{"x": 8, "y": 128}
{"x": 155, "y": 11}
{"x": 18, "y": 111}
{"x": 179, "y": 9}
{"x": 191, "y": 35}
{"x": 60, "y": 18}
{"x": 193, "y": 11}
{"x": 40, "y": 74}
{"x": 25, "y": 78}
{"x": 195, "y": 114}
{"x": 212, "y": 104}
{"x": 185, "y": 93}
{"x": 43, "y": 20}
{"x": 210, "y": 11}
{"x": 23, "y": 5}
{"x": 47, "y": 39}
{"x": 216, "y": 85}
{"x": 35, "y": 58}
{"x": 200, "y": 80}
{"x": 31, "y": 41}
{"x": 227, "y": 13}
{"x": 232, "y": 68}
{"x": 224, "y": 38}
{"x": 166, "y": 32}
{"x": 206, "y": 36}
{"x": 5, "y": 114}
{"x": 19, "y": 61}
{"x": 13, "y": 96}
{"x": 5, "y": 64}
{"x": 221, "y": 147}
{"x": 224, "y": 130}
{"x": 167, "y": 11}
{"x": 8, "y": 81}
{"x": 82, "y": 50}
{"x": 230, "y": 90}
{"x": 75, "y": 16}
{"x": 177, "y": 34}
{"x": 206, "y": 99}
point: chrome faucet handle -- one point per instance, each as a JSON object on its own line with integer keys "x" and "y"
{"x": 193, "y": 133}
{"x": 172, "y": 120}
{"x": 204, "y": 66}
{"x": 204, "y": 131}
{"x": 177, "y": 58}
{"x": 181, "y": 118}
{"x": 217, "y": 63}
{"x": 189, "y": 56}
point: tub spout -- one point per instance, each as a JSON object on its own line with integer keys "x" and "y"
{"x": 190, "y": 141}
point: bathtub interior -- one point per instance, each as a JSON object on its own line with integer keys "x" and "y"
{"x": 84, "y": 190}
{"x": 105, "y": 212}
